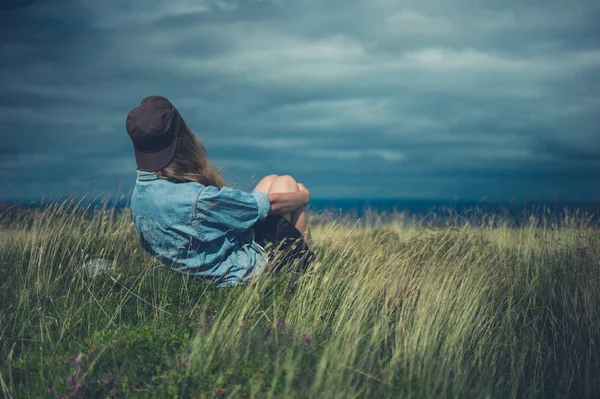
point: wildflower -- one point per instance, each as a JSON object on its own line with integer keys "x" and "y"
{"x": 296, "y": 275}
{"x": 112, "y": 392}
{"x": 189, "y": 348}
{"x": 185, "y": 357}
{"x": 70, "y": 383}
{"x": 281, "y": 323}
{"x": 307, "y": 338}
{"x": 107, "y": 377}
{"x": 205, "y": 330}
{"x": 292, "y": 285}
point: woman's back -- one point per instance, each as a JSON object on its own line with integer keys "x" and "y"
{"x": 199, "y": 229}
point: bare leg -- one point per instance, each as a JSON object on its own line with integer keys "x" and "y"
{"x": 300, "y": 221}
{"x": 298, "y": 218}
{"x": 284, "y": 184}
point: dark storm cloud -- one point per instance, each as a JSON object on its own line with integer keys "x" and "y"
{"x": 362, "y": 99}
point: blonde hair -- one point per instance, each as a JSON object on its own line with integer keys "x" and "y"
{"x": 190, "y": 163}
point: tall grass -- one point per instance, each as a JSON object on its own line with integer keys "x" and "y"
{"x": 394, "y": 307}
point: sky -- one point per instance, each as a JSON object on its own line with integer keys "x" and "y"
{"x": 370, "y": 99}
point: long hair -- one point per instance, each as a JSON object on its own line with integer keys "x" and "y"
{"x": 190, "y": 163}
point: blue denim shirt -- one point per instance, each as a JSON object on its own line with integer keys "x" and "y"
{"x": 199, "y": 229}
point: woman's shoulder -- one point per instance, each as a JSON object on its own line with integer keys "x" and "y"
{"x": 165, "y": 201}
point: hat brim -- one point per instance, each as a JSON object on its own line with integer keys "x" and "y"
{"x": 155, "y": 161}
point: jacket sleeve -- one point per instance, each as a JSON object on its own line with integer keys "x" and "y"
{"x": 229, "y": 210}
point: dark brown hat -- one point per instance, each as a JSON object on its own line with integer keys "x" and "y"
{"x": 154, "y": 127}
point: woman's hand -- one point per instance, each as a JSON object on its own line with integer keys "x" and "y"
{"x": 284, "y": 203}
{"x": 302, "y": 188}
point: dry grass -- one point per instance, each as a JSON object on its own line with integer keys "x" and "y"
{"x": 395, "y": 309}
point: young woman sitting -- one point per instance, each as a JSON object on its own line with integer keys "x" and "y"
{"x": 187, "y": 217}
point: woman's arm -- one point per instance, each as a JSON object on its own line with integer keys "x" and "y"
{"x": 282, "y": 203}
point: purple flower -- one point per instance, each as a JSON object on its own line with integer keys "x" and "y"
{"x": 205, "y": 330}
{"x": 281, "y": 323}
{"x": 296, "y": 275}
{"x": 292, "y": 285}
{"x": 307, "y": 338}
{"x": 112, "y": 392}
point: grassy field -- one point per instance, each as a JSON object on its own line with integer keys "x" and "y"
{"x": 392, "y": 309}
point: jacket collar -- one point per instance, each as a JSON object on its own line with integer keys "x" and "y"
{"x": 146, "y": 176}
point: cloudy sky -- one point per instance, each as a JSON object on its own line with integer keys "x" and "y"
{"x": 356, "y": 99}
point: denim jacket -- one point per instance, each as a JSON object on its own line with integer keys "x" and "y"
{"x": 199, "y": 229}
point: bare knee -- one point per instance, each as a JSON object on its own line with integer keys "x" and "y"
{"x": 265, "y": 183}
{"x": 284, "y": 184}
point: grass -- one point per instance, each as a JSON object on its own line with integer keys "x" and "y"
{"x": 393, "y": 308}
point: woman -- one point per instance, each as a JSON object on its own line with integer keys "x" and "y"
{"x": 185, "y": 215}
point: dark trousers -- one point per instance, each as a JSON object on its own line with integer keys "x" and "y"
{"x": 284, "y": 244}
